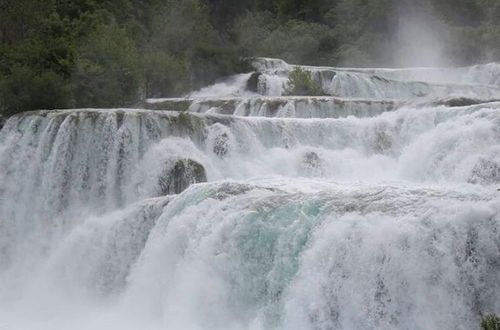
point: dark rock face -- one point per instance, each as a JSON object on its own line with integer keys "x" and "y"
{"x": 461, "y": 102}
{"x": 178, "y": 178}
{"x": 253, "y": 82}
{"x": 2, "y": 121}
{"x": 485, "y": 172}
{"x": 311, "y": 159}
{"x": 221, "y": 146}
{"x": 312, "y": 164}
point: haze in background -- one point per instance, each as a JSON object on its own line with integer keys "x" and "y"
{"x": 419, "y": 39}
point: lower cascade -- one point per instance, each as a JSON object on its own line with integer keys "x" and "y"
{"x": 374, "y": 208}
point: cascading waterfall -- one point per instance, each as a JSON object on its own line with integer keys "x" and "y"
{"x": 373, "y": 208}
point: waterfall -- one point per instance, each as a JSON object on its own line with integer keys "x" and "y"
{"x": 236, "y": 207}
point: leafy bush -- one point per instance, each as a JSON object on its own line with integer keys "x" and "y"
{"x": 179, "y": 26}
{"x": 300, "y": 82}
{"x": 490, "y": 322}
{"x": 251, "y": 29}
{"x": 108, "y": 69}
{"x": 183, "y": 32}
{"x": 307, "y": 10}
{"x": 301, "y": 42}
{"x": 211, "y": 62}
{"x": 166, "y": 75}
{"x": 24, "y": 89}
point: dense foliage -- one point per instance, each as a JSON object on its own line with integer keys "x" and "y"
{"x": 92, "y": 53}
{"x": 490, "y": 322}
{"x": 300, "y": 82}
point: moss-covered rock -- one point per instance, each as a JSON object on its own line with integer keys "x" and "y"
{"x": 176, "y": 179}
{"x": 182, "y": 122}
{"x": 274, "y": 105}
{"x": 225, "y": 107}
{"x": 459, "y": 102}
{"x": 172, "y": 105}
{"x": 462, "y": 102}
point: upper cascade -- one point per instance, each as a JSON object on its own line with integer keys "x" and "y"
{"x": 347, "y": 91}
{"x": 483, "y": 74}
{"x": 482, "y": 81}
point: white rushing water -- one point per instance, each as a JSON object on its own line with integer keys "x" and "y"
{"x": 340, "y": 214}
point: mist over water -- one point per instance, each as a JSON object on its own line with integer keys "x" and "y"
{"x": 373, "y": 207}
{"x": 419, "y": 37}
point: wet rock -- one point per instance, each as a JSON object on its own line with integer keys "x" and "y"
{"x": 224, "y": 107}
{"x": 176, "y": 104}
{"x": 253, "y": 82}
{"x": 275, "y": 105}
{"x": 219, "y": 139}
{"x": 460, "y": 102}
{"x": 312, "y": 159}
{"x": 3, "y": 120}
{"x": 227, "y": 190}
{"x": 383, "y": 141}
{"x": 178, "y": 178}
{"x": 382, "y": 79}
{"x": 485, "y": 172}
{"x": 312, "y": 164}
{"x": 221, "y": 145}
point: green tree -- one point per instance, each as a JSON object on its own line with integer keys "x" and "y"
{"x": 24, "y": 89}
{"x": 178, "y": 27}
{"x": 302, "y": 43}
{"x": 306, "y": 10}
{"x": 166, "y": 75}
{"x": 107, "y": 69}
{"x": 364, "y": 30}
{"x": 251, "y": 29}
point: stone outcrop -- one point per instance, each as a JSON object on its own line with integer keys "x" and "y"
{"x": 178, "y": 178}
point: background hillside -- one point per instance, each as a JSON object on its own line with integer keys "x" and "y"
{"x": 91, "y": 53}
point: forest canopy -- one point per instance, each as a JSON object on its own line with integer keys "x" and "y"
{"x": 112, "y": 53}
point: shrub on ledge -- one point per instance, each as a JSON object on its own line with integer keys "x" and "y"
{"x": 490, "y": 322}
{"x": 301, "y": 83}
